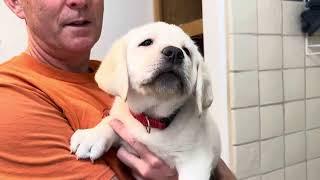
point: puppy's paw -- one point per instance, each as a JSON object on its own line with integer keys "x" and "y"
{"x": 91, "y": 143}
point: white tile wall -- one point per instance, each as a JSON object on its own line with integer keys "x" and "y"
{"x": 296, "y": 172}
{"x": 254, "y": 178}
{"x": 242, "y": 119}
{"x": 272, "y": 154}
{"x": 293, "y": 51}
{"x": 271, "y": 87}
{"x": 275, "y": 175}
{"x": 269, "y": 16}
{"x": 270, "y": 52}
{"x": 313, "y": 144}
{"x": 271, "y": 121}
{"x": 291, "y": 17}
{"x": 244, "y": 89}
{"x": 295, "y": 116}
{"x": 275, "y": 88}
{"x": 243, "y": 57}
{"x": 313, "y": 113}
{"x": 294, "y": 84}
{"x": 295, "y": 148}
{"x": 247, "y": 160}
{"x": 241, "y": 21}
{"x": 313, "y": 85}
{"x": 313, "y": 60}
{"x": 313, "y": 171}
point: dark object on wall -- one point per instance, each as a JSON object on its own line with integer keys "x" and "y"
{"x": 313, "y": 4}
{"x": 310, "y": 18}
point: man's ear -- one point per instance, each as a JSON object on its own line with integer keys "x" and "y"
{"x": 112, "y": 75}
{"x": 204, "y": 95}
{"x": 16, "y": 7}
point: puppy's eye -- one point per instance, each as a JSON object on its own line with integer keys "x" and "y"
{"x": 186, "y": 50}
{"x": 146, "y": 42}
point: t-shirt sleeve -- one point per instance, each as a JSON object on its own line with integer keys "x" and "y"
{"x": 34, "y": 139}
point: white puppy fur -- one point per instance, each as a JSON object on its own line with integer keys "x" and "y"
{"x": 136, "y": 71}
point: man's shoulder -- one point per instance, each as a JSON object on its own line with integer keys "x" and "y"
{"x": 13, "y": 67}
{"x": 8, "y": 63}
{"x": 13, "y": 64}
{"x": 16, "y": 75}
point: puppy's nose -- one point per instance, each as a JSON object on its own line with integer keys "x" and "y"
{"x": 173, "y": 54}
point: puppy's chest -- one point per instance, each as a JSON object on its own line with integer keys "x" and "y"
{"x": 185, "y": 134}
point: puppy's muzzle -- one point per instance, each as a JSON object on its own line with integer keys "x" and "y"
{"x": 173, "y": 55}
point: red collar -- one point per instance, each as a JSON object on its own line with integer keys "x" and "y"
{"x": 149, "y": 122}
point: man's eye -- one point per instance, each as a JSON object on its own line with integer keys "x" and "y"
{"x": 146, "y": 42}
{"x": 186, "y": 50}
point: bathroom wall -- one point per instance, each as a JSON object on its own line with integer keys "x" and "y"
{"x": 274, "y": 90}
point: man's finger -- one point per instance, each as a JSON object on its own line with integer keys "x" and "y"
{"x": 136, "y": 176}
{"x": 140, "y": 148}
{"x": 121, "y": 130}
{"x": 145, "y": 154}
{"x": 132, "y": 161}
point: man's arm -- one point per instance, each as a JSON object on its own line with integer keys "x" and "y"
{"x": 34, "y": 139}
{"x": 222, "y": 172}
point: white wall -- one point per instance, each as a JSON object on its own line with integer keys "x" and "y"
{"x": 119, "y": 17}
{"x": 13, "y": 39}
{"x": 215, "y": 55}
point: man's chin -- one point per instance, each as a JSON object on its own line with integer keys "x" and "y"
{"x": 79, "y": 46}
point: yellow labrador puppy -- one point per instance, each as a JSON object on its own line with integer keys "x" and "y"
{"x": 160, "y": 74}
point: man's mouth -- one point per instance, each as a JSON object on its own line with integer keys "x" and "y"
{"x": 78, "y": 23}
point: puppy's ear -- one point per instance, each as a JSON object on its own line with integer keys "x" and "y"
{"x": 204, "y": 96}
{"x": 112, "y": 75}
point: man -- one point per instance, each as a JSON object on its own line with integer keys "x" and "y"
{"x": 48, "y": 92}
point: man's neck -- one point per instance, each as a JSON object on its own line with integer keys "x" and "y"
{"x": 71, "y": 62}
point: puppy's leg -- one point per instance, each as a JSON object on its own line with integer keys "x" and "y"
{"x": 92, "y": 143}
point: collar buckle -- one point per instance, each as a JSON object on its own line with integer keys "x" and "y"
{"x": 148, "y": 127}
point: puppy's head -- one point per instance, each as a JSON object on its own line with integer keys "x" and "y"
{"x": 156, "y": 60}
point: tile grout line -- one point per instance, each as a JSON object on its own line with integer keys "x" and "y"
{"x": 276, "y": 103}
{"x": 277, "y": 169}
{"x": 273, "y": 137}
{"x": 266, "y": 34}
{"x": 275, "y": 69}
{"x": 258, "y": 78}
{"x": 305, "y": 111}
{"x": 283, "y": 93}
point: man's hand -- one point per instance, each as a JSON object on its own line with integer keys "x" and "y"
{"x": 144, "y": 165}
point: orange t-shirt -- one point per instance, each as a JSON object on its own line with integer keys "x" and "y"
{"x": 40, "y": 108}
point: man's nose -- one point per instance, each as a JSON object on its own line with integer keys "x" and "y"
{"x": 77, "y": 4}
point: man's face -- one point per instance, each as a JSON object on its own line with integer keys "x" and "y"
{"x": 67, "y": 25}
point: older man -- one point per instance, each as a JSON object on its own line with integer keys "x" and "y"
{"x": 48, "y": 92}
